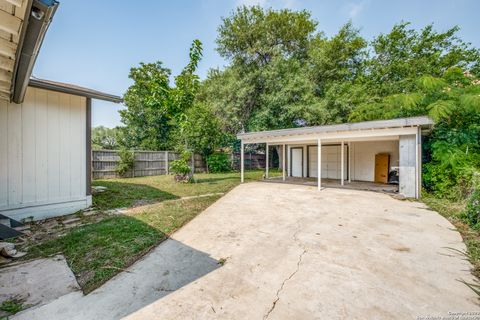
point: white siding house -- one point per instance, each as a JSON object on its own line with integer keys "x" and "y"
{"x": 42, "y": 155}
{"x": 44, "y": 125}
{"x": 346, "y": 153}
{"x": 45, "y": 152}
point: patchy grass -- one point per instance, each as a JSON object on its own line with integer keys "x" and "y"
{"x": 453, "y": 212}
{"x": 98, "y": 251}
{"x": 128, "y": 192}
{"x": 11, "y": 306}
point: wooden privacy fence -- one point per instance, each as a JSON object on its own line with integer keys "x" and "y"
{"x": 147, "y": 163}
{"x": 250, "y": 161}
{"x": 153, "y": 163}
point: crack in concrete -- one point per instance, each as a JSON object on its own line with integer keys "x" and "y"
{"x": 274, "y": 304}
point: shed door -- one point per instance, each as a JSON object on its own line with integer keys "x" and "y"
{"x": 330, "y": 162}
{"x": 312, "y": 161}
{"x": 297, "y": 162}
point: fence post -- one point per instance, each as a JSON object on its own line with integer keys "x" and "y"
{"x": 193, "y": 162}
{"x": 133, "y": 169}
{"x": 166, "y": 163}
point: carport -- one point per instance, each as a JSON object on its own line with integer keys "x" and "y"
{"x": 346, "y": 154}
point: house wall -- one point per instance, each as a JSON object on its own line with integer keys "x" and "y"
{"x": 43, "y": 155}
{"x": 363, "y": 157}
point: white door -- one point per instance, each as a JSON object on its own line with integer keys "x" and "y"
{"x": 297, "y": 159}
{"x": 330, "y": 162}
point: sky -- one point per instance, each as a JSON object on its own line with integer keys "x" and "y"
{"x": 94, "y": 43}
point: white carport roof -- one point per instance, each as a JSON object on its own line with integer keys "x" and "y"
{"x": 378, "y": 128}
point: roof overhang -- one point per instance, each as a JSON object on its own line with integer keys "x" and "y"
{"x": 347, "y": 131}
{"x": 73, "y": 89}
{"x": 23, "y": 24}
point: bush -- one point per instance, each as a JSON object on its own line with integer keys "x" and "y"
{"x": 181, "y": 168}
{"x": 440, "y": 181}
{"x": 472, "y": 212}
{"x": 126, "y": 163}
{"x": 218, "y": 162}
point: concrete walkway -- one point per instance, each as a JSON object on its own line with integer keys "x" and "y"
{"x": 290, "y": 252}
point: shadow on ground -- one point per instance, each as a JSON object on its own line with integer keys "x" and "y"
{"x": 166, "y": 269}
{"x": 121, "y": 194}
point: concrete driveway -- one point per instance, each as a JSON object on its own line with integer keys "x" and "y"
{"x": 290, "y": 252}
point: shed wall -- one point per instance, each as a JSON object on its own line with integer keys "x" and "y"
{"x": 363, "y": 157}
{"x": 43, "y": 155}
{"x": 407, "y": 170}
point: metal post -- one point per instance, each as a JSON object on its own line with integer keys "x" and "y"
{"x": 319, "y": 164}
{"x": 283, "y": 162}
{"x": 266, "y": 161}
{"x": 241, "y": 161}
{"x": 342, "y": 159}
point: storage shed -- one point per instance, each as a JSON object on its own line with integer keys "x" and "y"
{"x": 368, "y": 151}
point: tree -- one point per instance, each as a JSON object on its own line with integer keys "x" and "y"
{"x": 338, "y": 59}
{"x": 404, "y": 54}
{"x": 154, "y": 108}
{"x": 267, "y": 50}
{"x": 252, "y": 35}
{"x": 453, "y": 149}
{"x": 104, "y": 138}
{"x": 148, "y": 115}
{"x": 337, "y": 68}
{"x": 200, "y": 131}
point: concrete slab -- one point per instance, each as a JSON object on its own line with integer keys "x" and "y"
{"x": 37, "y": 282}
{"x": 291, "y": 252}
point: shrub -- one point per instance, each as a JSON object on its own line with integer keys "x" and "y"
{"x": 218, "y": 162}
{"x": 126, "y": 163}
{"x": 440, "y": 181}
{"x": 181, "y": 168}
{"x": 472, "y": 212}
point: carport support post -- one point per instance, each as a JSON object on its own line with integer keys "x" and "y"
{"x": 319, "y": 164}
{"x": 283, "y": 162}
{"x": 266, "y": 161}
{"x": 241, "y": 161}
{"x": 342, "y": 162}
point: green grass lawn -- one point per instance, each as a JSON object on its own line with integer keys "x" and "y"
{"x": 98, "y": 251}
{"x": 133, "y": 191}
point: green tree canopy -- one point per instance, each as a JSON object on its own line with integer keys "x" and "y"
{"x": 154, "y": 108}
{"x": 255, "y": 35}
{"x": 104, "y": 138}
{"x": 404, "y": 54}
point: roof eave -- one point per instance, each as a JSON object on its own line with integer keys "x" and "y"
{"x": 38, "y": 83}
{"x": 422, "y": 121}
{"x": 37, "y": 19}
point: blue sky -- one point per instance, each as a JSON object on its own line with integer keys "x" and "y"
{"x": 94, "y": 43}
